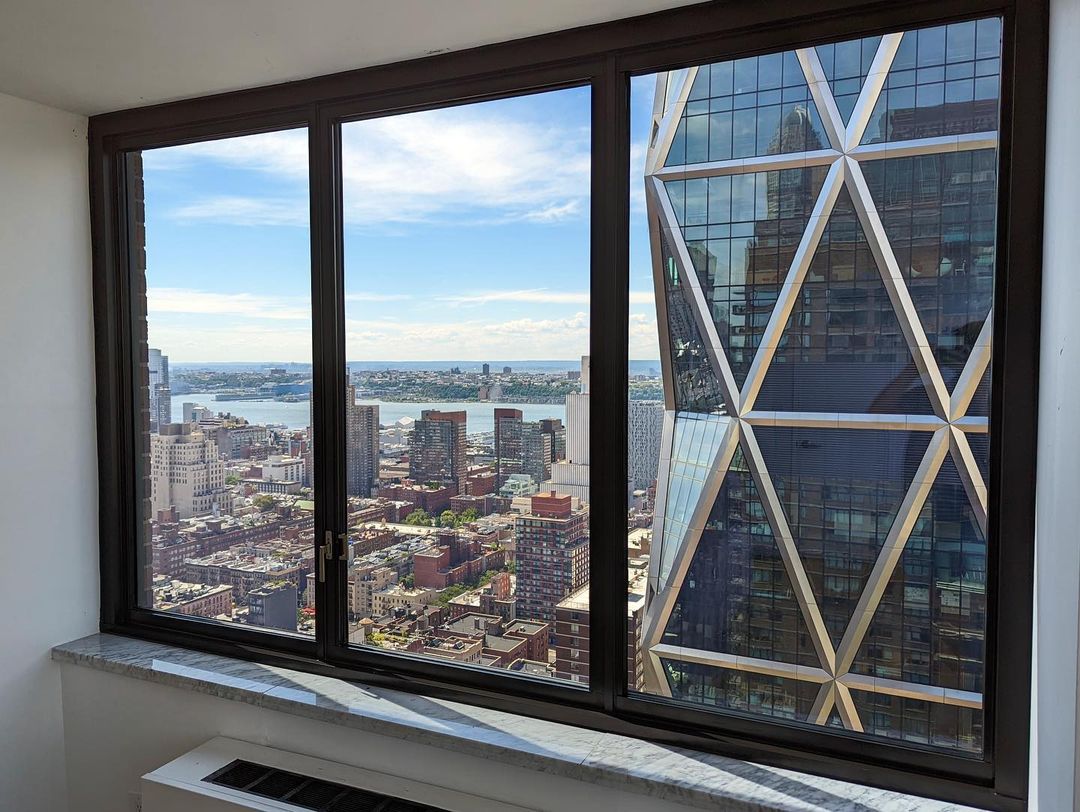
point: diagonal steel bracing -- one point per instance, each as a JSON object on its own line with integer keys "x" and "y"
{"x": 949, "y": 425}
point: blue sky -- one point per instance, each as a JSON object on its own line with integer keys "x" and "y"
{"x": 466, "y": 237}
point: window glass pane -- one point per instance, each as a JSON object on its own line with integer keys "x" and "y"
{"x": 220, "y": 235}
{"x": 467, "y": 329}
{"x": 765, "y": 119}
{"x": 932, "y": 109}
{"x": 811, "y": 543}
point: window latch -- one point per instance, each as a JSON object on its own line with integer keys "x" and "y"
{"x": 326, "y": 553}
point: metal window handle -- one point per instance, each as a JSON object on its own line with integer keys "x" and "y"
{"x": 325, "y": 554}
{"x": 343, "y": 554}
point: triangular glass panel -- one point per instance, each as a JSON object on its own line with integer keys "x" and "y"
{"x": 742, "y": 232}
{"x": 980, "y": 450}
{"x": 694, "y": 381}
{"x": 843, "y": 349}
{"x": 939, "y": 214}
{"x": 695, "y": 442}
{"x": 834, "y": 719}
{"x": 759, "y": 105}
{"x": 737, "y": 597}
{"x": 846, "y": 65}
{"x": 930, "y": 626}
{"x": 943, "y": 81}
{"x": 980, "y": 401}
{"x": 840, "y": 490}
{"x": 743, "y": 691}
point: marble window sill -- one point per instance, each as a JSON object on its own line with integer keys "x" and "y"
{"x": 676, "y": 775}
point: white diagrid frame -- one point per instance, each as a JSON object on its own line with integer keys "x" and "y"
{"x": 948, "y": 426}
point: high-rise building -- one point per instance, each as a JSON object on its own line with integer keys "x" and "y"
{"x": 160, "y": 394}
{"x": 437, "y": 449}
{"x": 552, "y": 555}
{"x": 554, "y": 427}
{"x": 645, "y": 427}
{"x": 572, "y": 638}
{"x": 507, "y": 444}
{"x": 361, "y": 445}
{"x": 820, "y": 507}
{"x": 186, "y": 472}
{"x": 571, "y": 476}
{"x": 486, "y": 369}
{"x": 522, "y": 447}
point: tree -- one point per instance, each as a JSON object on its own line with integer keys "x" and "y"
{"x": 263, "y": 501}
{"x": 468, "y": 515}
{"x": 232, "y": 479}
{"x": 409, "y": 581}
{"x": 448, "y": 518}
{"x": 419, "y": 517}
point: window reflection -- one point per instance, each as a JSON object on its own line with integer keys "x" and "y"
{"x": 818, "y": 534}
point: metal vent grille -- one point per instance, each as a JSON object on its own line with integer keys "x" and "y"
{"x": 308, "y": 793}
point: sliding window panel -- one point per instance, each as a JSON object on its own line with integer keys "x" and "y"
{"x": 815, "y": 231}
{"x": 467, "y": 275}
{"x": 219, "y": 257}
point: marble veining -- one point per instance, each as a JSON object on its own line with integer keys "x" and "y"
{"x": 672, "y": 774}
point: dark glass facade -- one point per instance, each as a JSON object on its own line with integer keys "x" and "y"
{"x": 824, "y": 246}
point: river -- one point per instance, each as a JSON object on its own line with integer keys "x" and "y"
{"x": 481, "y": 417}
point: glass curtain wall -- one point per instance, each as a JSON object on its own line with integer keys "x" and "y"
{"x": 818, "y": 230}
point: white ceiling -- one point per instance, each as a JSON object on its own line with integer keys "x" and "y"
{"x": 93, "y": 56}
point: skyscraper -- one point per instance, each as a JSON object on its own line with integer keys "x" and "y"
{"x": 507, "y": 444}
{"x": 361, "y": 445}
{"x": 572, "y": 475}
{"x": 819, "y": 547}
{"x": 186, "y": 472}
{"x": 522, "y": 447}
{"x": 552, "y": 555}
{"x": 645, "y": 427}
{"x": 160, "y": 394}
{"x": 554, "y": 426}
{"x": 437, "y": 449}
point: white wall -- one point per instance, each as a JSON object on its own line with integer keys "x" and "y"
{"x": 119, "y": 729}
{"x": 1058, "y": 545}
{"x": 48, "y": 480}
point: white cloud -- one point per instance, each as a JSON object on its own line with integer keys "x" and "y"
{"x": 554, "y": 212}
{"x": 534, "y": 296}
{"x": 524, "y": 338}
{"x": 234, "y": 305}
{"x": 537, "y": 296}
{"x": 283, "y": 154}
{"x": 376, "y": 297}
{"x": 433, "y": 164}
{"x": 245, "y": 211}
{"x": 644, "y": 339}
{"x": 456, "y": 165}
{"x": 390, "y": 340}
{"x": 231, "y": 342}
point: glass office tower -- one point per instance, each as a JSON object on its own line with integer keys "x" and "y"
{"x": 822, "y": 224}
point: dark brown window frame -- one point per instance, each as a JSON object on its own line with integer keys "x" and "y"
{"x": 602, "y": 57}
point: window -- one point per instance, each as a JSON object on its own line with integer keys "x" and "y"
{"x": 825, "y": 305}
{"x": 466, "y": 322}
{"x": 389, "y": 362}
{"x": 221, "y": 243}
